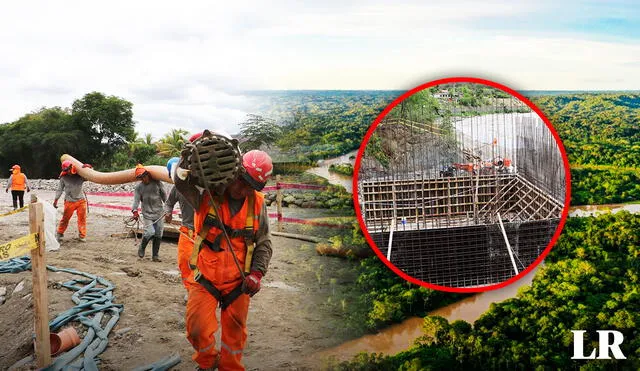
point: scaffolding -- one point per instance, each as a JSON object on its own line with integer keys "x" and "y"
{"x": 469, "y": 197}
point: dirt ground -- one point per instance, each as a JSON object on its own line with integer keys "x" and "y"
{"x": 289, "y": 320}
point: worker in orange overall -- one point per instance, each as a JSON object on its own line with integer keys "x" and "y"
{"x": 74, "y": 200}
{"x": 17, "y": 183}
{"x": 220, "y": 277}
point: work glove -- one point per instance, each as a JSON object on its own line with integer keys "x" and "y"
{"x": 136, "y": 214}
{"x": 87, "y": 165}
{"x": 252, "y": 283}
{"x": 55, "y": 204}
{"x": 28, "y": 189}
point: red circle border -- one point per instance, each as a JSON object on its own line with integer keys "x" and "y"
{"x": 372, "y": 128}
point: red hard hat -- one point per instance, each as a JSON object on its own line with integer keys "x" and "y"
{"x": 258, "y": 166}
{"x": 67, "y": 168}
{"x": 15, "y": 167}
{"x": 66, "y": 165}
{"x": 195, "y": 136}
{"x": 140, "y": 171}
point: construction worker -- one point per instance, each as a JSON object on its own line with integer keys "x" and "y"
{"x": 228, "y": 275}
{"x": 152, "y": 195}
{"x": 74, "y": 200}
{"x": 185, "y": 241}
{"x": 17, "y": 182}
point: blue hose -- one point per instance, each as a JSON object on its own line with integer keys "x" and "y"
{"x": 93, "y": 297}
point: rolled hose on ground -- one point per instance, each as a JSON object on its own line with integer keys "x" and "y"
{"x": 117, "y": 177}
{"x": 90, "y": 300}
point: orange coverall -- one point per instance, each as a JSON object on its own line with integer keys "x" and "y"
{"x": 220, "y": 269}
{"x": 74, "y": 199}
{"x": 69, "y": 208}
{"x": 185, "y": 248}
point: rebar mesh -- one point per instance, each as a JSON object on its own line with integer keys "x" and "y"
{"x": 439, "y": 183}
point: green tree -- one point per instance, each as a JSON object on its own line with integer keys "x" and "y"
{"x": 171, "y": 144}
{"x": 36, "y": 141}
{"x": 108, "y": 120}
{"x": 258, "y": 131}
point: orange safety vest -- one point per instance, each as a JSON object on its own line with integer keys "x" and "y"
{"x": 214, "y": 261}
{"x": 18, "y": 182}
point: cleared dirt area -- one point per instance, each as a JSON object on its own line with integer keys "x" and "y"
{"x": 289, "y": 320}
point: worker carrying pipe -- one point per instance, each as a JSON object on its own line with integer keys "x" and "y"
{"x": 118, "y": 177}
{"x": 232, "y": 247}
{"x": 150, "y": 192}
{"x": 74, "y": 200}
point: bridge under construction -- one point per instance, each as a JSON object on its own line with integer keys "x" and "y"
{"x": 469, "y": 198}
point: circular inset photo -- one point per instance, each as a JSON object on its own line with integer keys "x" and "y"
{"x": 461, "y": 185}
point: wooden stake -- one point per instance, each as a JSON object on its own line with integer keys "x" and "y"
{"x": 279, "y": 203}
{"x": 40, "y": 297}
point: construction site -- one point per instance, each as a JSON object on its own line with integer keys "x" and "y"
{"x": 461, "y": 195}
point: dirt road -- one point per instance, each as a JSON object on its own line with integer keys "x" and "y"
{"x": 288, "y": 320}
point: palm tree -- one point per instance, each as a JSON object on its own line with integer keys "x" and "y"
{"x": 148, "y": 139}
{"x": 171, "y": 144}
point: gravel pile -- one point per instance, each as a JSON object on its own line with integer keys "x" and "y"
{"x": 52, "y": 185}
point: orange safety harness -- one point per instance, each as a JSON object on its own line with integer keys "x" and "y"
{"x": 213, "y": 221}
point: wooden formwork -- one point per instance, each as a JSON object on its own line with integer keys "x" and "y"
{"x": 454, "y": 201}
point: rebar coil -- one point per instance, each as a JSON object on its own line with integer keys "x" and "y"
{"x": 214, "y": 161}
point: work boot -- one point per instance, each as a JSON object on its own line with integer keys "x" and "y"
{"x": 212, "y": 368}
{"x": 143, "y": 246}
{"x": 82, "y": 239}
{"x": 59, "y": 237}
{"x": 156, "y": 249}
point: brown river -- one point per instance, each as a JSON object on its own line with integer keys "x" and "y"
{"x": 335, "y": 178}
{"x": 399, "y": 337}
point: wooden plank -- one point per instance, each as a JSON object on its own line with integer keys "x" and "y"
{"x": 40, "y": 294}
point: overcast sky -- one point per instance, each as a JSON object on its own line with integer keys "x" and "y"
{"x": 186, "y": 64}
